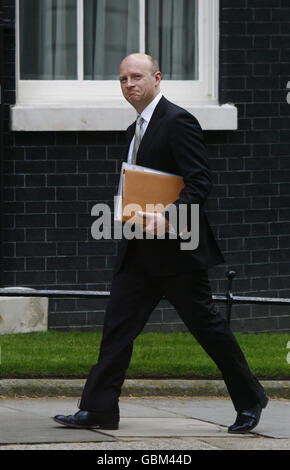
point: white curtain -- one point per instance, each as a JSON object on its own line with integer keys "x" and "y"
{"x": 111, "y": 31}
{"x": 172, "y": 37}
{"x": 48, "y": 39}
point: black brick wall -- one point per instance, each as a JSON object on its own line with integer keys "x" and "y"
{"x": 52, "y": 180}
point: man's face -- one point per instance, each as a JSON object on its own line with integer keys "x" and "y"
{"x": 138, "y": 82}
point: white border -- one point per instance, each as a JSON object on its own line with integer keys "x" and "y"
{"x": 80, "y": 39}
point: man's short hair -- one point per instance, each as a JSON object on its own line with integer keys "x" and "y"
{"x": 155, "y": 65}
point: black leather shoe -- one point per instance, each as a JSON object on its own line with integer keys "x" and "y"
{"x": 88, "y": 420}
{"x": 248, "y": 419}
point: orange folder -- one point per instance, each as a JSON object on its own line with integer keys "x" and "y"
{"x": 141, "y": 188}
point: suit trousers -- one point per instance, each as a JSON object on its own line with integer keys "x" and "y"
{"x": 134, "y": 295}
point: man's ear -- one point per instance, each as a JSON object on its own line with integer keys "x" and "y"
{"x": 158, "y": 77}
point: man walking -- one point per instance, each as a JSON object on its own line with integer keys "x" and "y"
{"x": 164, "y": 137}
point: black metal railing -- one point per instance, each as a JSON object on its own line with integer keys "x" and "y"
{"x": 229, "y": 298}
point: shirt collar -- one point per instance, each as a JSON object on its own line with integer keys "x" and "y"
{"x": 148, "y": 111}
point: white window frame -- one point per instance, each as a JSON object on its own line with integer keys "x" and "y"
{"x": 99, "y": 105}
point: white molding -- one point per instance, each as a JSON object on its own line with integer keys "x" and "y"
{"x": 82, "y": 92}
{"x": 80, "y": 37}
{"x": 142, "y": 26}
{"x": 17, "y": 49}
{"x": 114, "y": 117}
{"x": 215, "y": 38}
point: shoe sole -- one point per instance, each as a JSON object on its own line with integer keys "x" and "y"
{"x": 240, "y": 432}
{"x": 112, "y": 426}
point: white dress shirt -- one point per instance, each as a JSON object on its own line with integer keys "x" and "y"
{"x": 146, "y": 115}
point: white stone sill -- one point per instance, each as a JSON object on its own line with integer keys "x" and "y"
{"x": 108, "y": 117}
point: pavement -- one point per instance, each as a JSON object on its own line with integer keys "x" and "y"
{"x": 194, "y": 416}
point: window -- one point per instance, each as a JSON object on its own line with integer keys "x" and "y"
{"x": 48, "y": 39}
{"x": 112, "y": 29}
{"x": 68, "y": 54}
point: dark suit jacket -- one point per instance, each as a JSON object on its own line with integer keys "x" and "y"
{"x": 173, "y": 142}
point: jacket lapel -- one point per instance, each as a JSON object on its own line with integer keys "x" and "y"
{"x": 129, "y": 136}
{"x": 150, "y": 132}
{"x": 130, "y": 132}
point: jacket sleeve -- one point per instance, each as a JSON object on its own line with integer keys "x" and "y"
{"x": 190, "y": 154}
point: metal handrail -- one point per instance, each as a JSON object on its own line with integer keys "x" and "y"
{"x": 228, "y": 298}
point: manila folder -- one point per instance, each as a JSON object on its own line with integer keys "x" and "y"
{"x": 141, "y": 189}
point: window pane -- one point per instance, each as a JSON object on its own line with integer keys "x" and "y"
{"x": 111, "y": 31}
{"x": 172, "y": 37}
{"x": 48, "y": 39}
